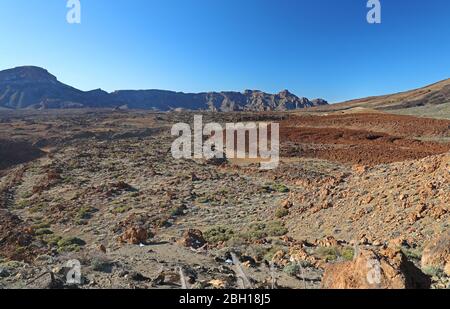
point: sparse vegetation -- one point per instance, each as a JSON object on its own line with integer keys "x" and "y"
{"x": 235, "y": 208}
{"x": 22, "y": 204}
{"x": 280, "y": 188}
{"x": 85, "y": 212}
{"x": 65, "y": 244}
{"x": 269, "y": 254}
{"x": 433, "y": 272}
{"x": 281, "y": 212}
{"x": 40, "y": 207}
{"x": 178, "y": 211}
{"x": 412, "y": 253}
{"x": 292, "y": 269}
{"x": 271, "y": 187}
{"x": 43, "y": 231}
{"x": 261, "y": 230}
{"x": 218, "y": 234}
{"x": 348, "y": 253}
{"x": 101, "y": 264}
{"x": 334, "y": 253}
{"x": 121, "y": 209}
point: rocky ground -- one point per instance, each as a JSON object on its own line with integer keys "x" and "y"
{"x": 102, "y": 188}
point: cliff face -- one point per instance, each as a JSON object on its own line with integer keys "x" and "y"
{"x": 33, "y": 87}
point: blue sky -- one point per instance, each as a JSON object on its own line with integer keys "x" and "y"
{"x": 315, "y": 48}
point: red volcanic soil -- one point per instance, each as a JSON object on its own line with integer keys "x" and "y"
{"x": 16, "y": 238}
{"x": 325, "y": 140}
{"x": 398, "y": 125}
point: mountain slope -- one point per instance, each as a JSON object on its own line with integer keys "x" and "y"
{"x": 435, "y": 94}
{"x": 26, "y": 86}
{"x": 34, "y": 87}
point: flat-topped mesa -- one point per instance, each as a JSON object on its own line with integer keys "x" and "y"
{"x": 26, "y": 74}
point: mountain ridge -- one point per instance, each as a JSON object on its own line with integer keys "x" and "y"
{"x": 33, "y": 87}
{"x": 430, "y": 95}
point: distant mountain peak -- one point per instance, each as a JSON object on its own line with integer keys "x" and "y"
{"x": 26, "y": 74}
{"x": 285, "y": 92}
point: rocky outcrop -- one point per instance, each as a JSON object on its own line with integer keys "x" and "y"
{"x": 135, "y": 236}
{"x": 33, "y": 87}
{"x": 436, "y": 254}
{"x": 370, "y": 270}
{"x": 249, "y": 100}
{"x": 193, "y": 239}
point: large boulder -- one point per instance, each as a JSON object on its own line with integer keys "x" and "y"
{"x": 135, "y": 236}
{"x": 436, "y": 254}
{"x": 370, "y": 270}
{"x": 193, "y": 239}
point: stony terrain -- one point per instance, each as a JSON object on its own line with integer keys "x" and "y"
{"x": 102, "y": 187}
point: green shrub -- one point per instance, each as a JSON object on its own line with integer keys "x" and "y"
{"x": 433, "y": 272}
{"x": 218, "y": 234}
{"x": 280, "y": 188}
{"x": 178, "y": 211}
{"x": 281, "y": 212}
{"x": 85, "y": 213}
{"x": 204, "y": 200}
{"x": 38, "y": 208}
{"x": 101, "y": 265}
{"x": 276, "y": 228}
{"x": 271, "y": 252}
{"x": 237, "y": 241}
{"x": 121, "y": 209}
{"x": 334, "y": 253}
{"x": 21, "y": 204}
{"x": 292, "y": 269}
{"x": 255, "y": 231}
{"x": 71, "y": 241}
{"x": 328, "y": 253}
{"x": 348, "y": 253}
{"x": 70, "y": 244}
{"x": 412, "y": 254}
{"x": 11, "y": 265}
{"x": 41, "y": 225}
{"x": 43, "y": 231}
{"x": 52, "y": 240}
{"x": 260, "y": 230}
{"x": 271, "y": 187}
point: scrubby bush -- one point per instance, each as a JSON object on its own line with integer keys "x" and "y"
{"x": 261, "y": 230}
{"x": 292, "y": 269}
{"x": 101, "y": 265}
{"x": 334, "y": 253}
{"x": 281, "y": 212}
{"x": 218, "y": 234}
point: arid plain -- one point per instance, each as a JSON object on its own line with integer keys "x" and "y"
{"x": 101, "y": 187}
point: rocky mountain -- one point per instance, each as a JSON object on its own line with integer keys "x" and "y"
{"x": 35, "y": 88}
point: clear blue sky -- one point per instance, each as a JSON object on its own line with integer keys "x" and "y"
{"x": 315, "y": 48}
